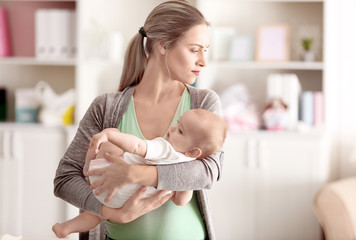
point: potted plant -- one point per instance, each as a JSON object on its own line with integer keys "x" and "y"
{"x": 308, "y": 55}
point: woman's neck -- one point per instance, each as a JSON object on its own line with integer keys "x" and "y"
{"x": 156, "y": 85}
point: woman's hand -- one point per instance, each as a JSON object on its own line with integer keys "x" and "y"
{"x": 136, "y": 206}
{"x": 112, "y": 177}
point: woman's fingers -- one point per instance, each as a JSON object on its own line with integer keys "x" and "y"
{"x": 160, "y": 198}
{"x": 100, "y": 189}
{"x": 110, "y": 195}
{"x": 139, "y": 193}
{"x": 164, "y": 199}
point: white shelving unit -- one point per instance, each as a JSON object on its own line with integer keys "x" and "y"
{"x": 260, "y": 167}
{"x": 304, "y": 18}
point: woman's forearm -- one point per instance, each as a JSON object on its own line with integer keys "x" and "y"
{"x": 191, "y": 175}
{"x": 145, "y": 175}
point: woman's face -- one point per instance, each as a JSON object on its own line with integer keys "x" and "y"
{"x": 186, "y": 59}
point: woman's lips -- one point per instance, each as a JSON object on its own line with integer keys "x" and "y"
{"x": 196, "y": 73}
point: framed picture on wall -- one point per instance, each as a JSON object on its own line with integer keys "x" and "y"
{"x": 273, "y": 43}
{"x": 242, "y": 48}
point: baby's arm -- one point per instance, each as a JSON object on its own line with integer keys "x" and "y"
{"x": 127, "y": 142}
{"x": 105, "y": 147}
{"x": 180, "y": 198}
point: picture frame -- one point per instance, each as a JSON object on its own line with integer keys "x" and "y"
{"x": 242, "y": 48}
{"x": 273, "y": 43}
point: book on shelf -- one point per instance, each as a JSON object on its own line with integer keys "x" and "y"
{"x": 318, "y": 108}
{"x": 312, "y": 108}
{"x": 307, "y": 107}
{"x": 5, "y": 40}
{"x": 55, "y": 33}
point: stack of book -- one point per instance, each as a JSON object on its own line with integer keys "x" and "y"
{"x": 55, "y": 34}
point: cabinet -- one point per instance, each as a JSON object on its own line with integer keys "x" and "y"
{"x": 267, "y": 187}
{"x": 28, "y": 161}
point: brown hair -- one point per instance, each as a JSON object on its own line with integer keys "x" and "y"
{"x": 168, "y": 22}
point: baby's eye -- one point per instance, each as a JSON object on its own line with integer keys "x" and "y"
{"x": 180, "y": 131}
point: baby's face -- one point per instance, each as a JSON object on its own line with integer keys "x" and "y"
{"x": 182, "y": 134}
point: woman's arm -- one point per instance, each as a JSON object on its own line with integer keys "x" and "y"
{"x": 69, "y": 182}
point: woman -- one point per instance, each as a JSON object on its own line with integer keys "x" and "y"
{"x": 153, "y": 94}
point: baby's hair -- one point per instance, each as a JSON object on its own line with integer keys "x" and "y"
{"x": 213, "y": 129}
{"x": 167, "y": 22}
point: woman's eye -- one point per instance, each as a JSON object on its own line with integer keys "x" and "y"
{"x": 194, "y": 50}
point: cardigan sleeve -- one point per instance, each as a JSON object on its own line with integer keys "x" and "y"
{"x": 197, "y": 174}
{"x": 69, "y": 182}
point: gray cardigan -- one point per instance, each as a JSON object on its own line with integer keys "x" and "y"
{"x": 106, "y": 111}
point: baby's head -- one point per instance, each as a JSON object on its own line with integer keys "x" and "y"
{"x": 198, "y": 134}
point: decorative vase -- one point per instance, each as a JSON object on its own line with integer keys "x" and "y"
{"x": 308, "y": 56}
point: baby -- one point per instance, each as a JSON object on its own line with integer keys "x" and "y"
{"x": 198, "y": 134}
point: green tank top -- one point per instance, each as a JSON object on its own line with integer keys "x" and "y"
{"x": 169, "y": 222}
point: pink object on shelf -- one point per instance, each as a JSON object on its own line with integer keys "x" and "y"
{"x": 318, "y": 108}
{"x": 5, "y": 41}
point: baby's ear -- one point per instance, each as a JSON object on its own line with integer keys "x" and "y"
{"x": 194, "y": 152}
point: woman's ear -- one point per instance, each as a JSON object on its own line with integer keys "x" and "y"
{"x": 161, "y": 47}
{"x": 194, "y": 152}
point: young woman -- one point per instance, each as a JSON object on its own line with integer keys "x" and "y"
{"x": 163, "y": 58}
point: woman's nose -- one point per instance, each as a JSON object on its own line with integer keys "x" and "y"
{"x": 202, "y": 60}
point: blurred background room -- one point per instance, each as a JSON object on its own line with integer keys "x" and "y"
{"x": 284, "y": 70}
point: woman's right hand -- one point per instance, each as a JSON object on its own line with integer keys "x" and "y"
{"x": 136, "y": 206}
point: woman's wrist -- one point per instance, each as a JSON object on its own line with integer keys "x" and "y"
{"x": 117, "y": 214}
{"x": 144, "y": 175}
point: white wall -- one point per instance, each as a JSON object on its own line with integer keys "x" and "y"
{"x": 340, "y": 76}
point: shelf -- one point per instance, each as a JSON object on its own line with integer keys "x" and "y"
{"x": 37, "y": 62}
{"x": 308, "y": 134}
{"x": 39, "y": 126}
{"x": 269, "y": 65}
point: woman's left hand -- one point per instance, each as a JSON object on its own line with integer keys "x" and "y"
{"x": 112, "y": 177}
{"x": 136, "y": 206}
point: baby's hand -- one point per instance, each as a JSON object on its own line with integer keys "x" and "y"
{"x": 97, "y": 140}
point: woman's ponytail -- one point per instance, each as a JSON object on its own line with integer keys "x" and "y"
{"x": 134, "y": 64}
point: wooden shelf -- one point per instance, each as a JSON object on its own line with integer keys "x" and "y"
{"x": 37, "y": 62}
